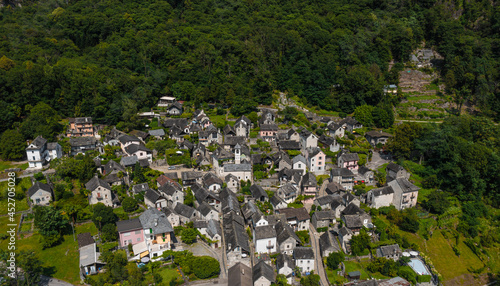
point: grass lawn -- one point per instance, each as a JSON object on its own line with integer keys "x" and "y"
{"x": 333, "y": 277}
{"x": 167, "y": 274}
{"x": 351, "y": 266}
{"x": 445, "y": 260}
{"x": 60, "y": 261}
{"x": 87, "y": 227}
{"x": 8, "y": 165}
{"x": 4, "y": 220}
{"x": 21, "y": 187}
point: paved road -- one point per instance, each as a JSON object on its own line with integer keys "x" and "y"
{"x": 320, "y": 270}
{"x": 419, "y": 121}
{"x": 377, "y": 161}
{"x": 50, "y": 171}
{"x": 49, "y": 281}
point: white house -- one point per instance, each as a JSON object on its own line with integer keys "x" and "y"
{"x": 263, "y": 274}
{"x": 265, "y": 239}
{"x": 304, "y": 259}
{"x": 40, "y": 194}
{"x": 299, "y": 163}
{"x": 100, "y": 192}
{"x": 285, "y": 266}
{"x": 39, "y": 152}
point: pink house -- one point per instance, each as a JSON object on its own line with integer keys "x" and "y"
{"x": 268, "y": 131}
{"x": 130, "y": 231}
{"x": 309, "y": 187}
{"x": 316, "y": 160}
{"x": 349, "y": 161}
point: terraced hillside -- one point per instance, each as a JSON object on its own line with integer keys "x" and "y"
{"x": 424, "y": 98}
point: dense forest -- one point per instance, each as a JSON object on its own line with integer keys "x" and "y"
{"x": 108, "y": 59}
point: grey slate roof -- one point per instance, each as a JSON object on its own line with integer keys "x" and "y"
{"x": 344, "y": 172}
{"x": 377, "y": 134}
{"x": 39, "y": 186}
{"x": 128, "y": 225}
{"x": 350, "y": 157}
{"x": 324, "y": 215}
{"x": 258, "y": 191}
{"x": 261, "y": 269}
{"x": 132, "y": 148}
{"x": 385, "y": 250}
{"x": 205, "y": 208}
{"x": 128, "y": 160}
{"x": 169, "y": 189}
{"x": 82, "y": 141}
{"x": 96, "y": 182}
{"x": 281, "y": 259}
{"x": 113, "y": 166}
{"x": 325, "y": 200}
{"x": 237, "y": 168}
{"x": 152, "y": 195}
{"x": 210, "y": 179}
{"x": 285, "y": 232}
{"x": 184, "y": 210}
{"x": 405, "y": 185}
{"x": 269, "y": 127}
{"x": 200, "y": 223}
{"x": 289, "y": 145}
{"x": 155, "y": 220}
{"x": 352, "y": 209}
{"x": 84, "y": 239}
{"x": 265, "y": 231}
{"x": 157, "y": 132}
{"x": 287, "y": 189}
{"x": 190, "y": 175}
{"x": 276, "y": 200}
{"x": 213, "y": 228}
{"x": 309, "y": 180}
{"x": 394, "y": 167}
{"x": 39, "y": 142}
{"x": 140, "y": 188}
{"x": 127, "y": 138}
{"x": 387, "y": 190}
{"x": 345, "y": 231}
{"x": 299, "y": 158}
{"x": 240, "y": 275}
{"x": 353, "y": 221}
{"x": 303, "y": 253}
{"x": 300, "y": 214}
{"x": 327, "y": 241}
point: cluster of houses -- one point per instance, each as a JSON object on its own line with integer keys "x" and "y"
{"x": 217, "y": 213}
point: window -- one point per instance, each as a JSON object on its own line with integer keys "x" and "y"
{"x": 300, "y": 166}
{"x": 33, "y": 158}
{"x": 138, "y": 239}
{"x": 319, "y": 158}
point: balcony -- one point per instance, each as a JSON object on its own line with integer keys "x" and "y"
{"x": 270, "y": 246}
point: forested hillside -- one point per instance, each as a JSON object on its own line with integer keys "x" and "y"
{"x": 108, "y": 59}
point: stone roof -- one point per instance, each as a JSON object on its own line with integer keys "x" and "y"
{"x": 237, "y": 168}
{"x": 128, "y": 225}
{"x": 129, "y": 160}
{"x": 287, "y": 189}
{"x": 258, "y": 191}
{"x": 190, "y": 175}
{"x": 404, "y": 184}
{"x": 353, "y": 221}
{"x": 157, "y": 132}
{"x": 39, "y": 186}
{"x": 132, "y": 148}
{"x": 325, "y": 200}
{"x": 96, "y": 182}
{"x": 155, "y": 220}
{"x": 204, "y": 208}
{"x": 265, "y": 231}
{"x": 52, "y": 145}
{"x": 210, "y": 179}
{"x": 85, "y": 239}
{"x": 352, "y": 209}
{"x": 387, "y": 190}
{"x": 334, "y": 188}
{"x": 299, "y": 158}
{"x": 328, "y": 241}
{"x": 38, "y": 143}
{"x": 113, "y": 166}
{"x": 282, "y": 258}
{"x": 240, "y": 275}
{"x": 324, "y": 215}
{"x": 285, "y": 232}
{"x": 363, "y": 170}
{"x": 152, "y": 195}
{"x": 377, "y": 134}
{"x": 396, "y": 281}
{"x": 82, "y": 141}
{"x": 213, "y": 228}
{"x": 344, "y": 172}
{"x": 140, "y": 188}
{"x": 303, "y": 253}
{"x": 349, "y": 157}
{"x": 385, "y": 250}
{"x": 184, "y": 210}
{"x": 345, "y": 231}
{"x": 276, "y": 200}
{"x": 234, "y": 140}
{"x": 268, "y": 127}
{"x": 309, "y": 180}
{"x": 200, "y": 223}
{"x": 300, "y": 214}
{"x": 289, "y": 145}
{"x": 261, "y": 269}
{"x": 127, "y": 138}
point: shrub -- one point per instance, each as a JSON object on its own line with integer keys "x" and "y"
{"x": 205, "y": 267}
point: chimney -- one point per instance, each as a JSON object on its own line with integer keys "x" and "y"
{"x": 242, "y": 271}
{"x": 156, "y": 222}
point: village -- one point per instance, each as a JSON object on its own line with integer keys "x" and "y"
{"x": 267, "y": 198}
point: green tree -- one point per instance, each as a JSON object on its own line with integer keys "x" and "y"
{"x": 138, "y": 175}
{"x": 205, "y": 267}
{"x": 289, "y": 114}
{"x": 12, "y": 145}
{"x": 103, "y": 215}
{"x": 437, "y": 202}
{"x": 31, "y": 267}
{"x": 189, "y": 199}
{"x": 364, "y": 114}
{"x": 281, "y": 280}
{"x": 310, "y": 280}
{"x": 115, "y": 265}
{"x": 334, "y": 259}
{"x": 51, "y": 224}
{"x": 129, "y": 204}
{"x": 189, "y": 235}
{"x": 109, "y": 232}
{"x": 360, "y": 242}
{"x": 43, "y": 120}
{"x": 403, "y": 142}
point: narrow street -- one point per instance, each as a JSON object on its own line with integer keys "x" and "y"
{"x": 320, "y": 270}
